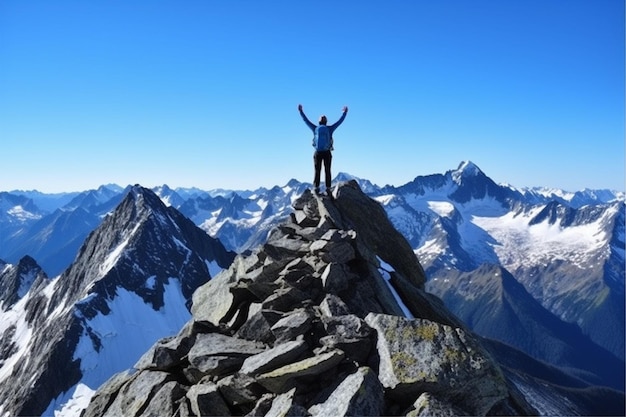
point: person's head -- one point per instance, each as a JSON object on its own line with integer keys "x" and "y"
{"x": 323, "y": 120}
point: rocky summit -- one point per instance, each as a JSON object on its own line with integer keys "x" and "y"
{"x": 329, "y": 317}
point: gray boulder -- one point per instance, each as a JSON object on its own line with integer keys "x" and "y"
{"x": 136, "y": 395}
{"x": 216, "y": 354}
{"x": 282, "y": 379}
{"x": 280, "y": 355}
{"x": 420, "y": 355}
{"x": 206, "y": 400}
{"x": 284, "y": 405}
{"x": 359, "y": 394}
{"x": 293, "y": 324}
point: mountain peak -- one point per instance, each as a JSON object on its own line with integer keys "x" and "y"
{"x": 16, "y": 280}
{"x": 466, "y": 169}
{"x": 144, "y": 197}
{"x": 130, "y": 284}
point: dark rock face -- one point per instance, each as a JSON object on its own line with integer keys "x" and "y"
{"x": 311, "y": 323}
{"x": 16, "y": 280}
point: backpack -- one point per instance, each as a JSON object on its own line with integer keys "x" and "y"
{"x": 322, "y": 141}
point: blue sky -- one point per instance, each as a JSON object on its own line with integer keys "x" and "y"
{"x": 205, "y": 93}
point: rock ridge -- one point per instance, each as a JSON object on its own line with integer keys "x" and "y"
{"x": 328, "y": 317}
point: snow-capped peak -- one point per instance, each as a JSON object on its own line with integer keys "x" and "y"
{"x": 466, "y": 169}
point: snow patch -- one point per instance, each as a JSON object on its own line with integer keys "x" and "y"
{"x": 441, "y": 208}
{"x": 123, "y": 337}
{"x": 21, "y": 214}
{"x": 15, "y": 318}
{"x": 385, "y": 270}
{"x": 522, "y": 245}
{"x": 114, "y": 255}
{"x": 385, "y": 199}
{"x": 151, "y": 282}
{"x": 112, "y": 258}
{"x": 70, "y": 403}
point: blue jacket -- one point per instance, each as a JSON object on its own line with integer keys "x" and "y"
{"x": 332, "y": 127}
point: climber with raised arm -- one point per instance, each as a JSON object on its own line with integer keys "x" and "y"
{"x": 323, "y": 144}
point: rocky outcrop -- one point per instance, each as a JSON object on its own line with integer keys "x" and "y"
{"x": 16, "y": 280}
{"x": 328, "y": 317}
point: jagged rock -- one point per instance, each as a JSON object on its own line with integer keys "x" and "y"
{"x": 298, "y": 265}
{"x": 239, "y": 389}
{"x": 161, "y": 356}
{"x": 359, "y": 394}
{"x": 333, "y": 248}
{"x": 166, "y": 401}
{"x": 335, "y": 278}
{"x": 286, "y": 246}
{"x": 280, "y": 355}
{"x": 169, "y": 351}
{"x": 136, "y": 394}
{"x": 337, "y": 235}
{"x": 214, "y": 353}
{"x": 280, "y": 379}
{"x": 284, "y": 299}
{"x": 340, "y": 252}
{"x": 370, "y": 220}
{"x": 309, "y": 205}
{"x": 350, "y": 334}
{"x": 16, "y": 280}
{"x": 318, "y": 246}
{"x": 283, "y": 405}
{"x": 102, "y": 400}
{"x": 8, "y": 347}
{"x": 422, "y": 304}
{"x": 217, "y": 344}
{"x": 369, "y": 293}
{"x": 332, "y": 305}
{"x": 420, "y": 355}
{"x": 212, "y": 300}
{"x": 262, "y": 406}
{"x": 347, "y": 326}
{"x": 206, "y": 400}
{"x": 215, "y": 365}
{"x": 293, "y": 324}
{"x": 258, "y": 326}
{"x": 301, "y": 275}
{"x": 300, "y": 218}
{"x": 307, "y": 282}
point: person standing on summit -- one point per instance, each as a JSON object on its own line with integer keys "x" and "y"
{"x": 323, "y": 144}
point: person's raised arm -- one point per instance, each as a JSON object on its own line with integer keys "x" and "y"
{"x": 341, "y": 119}
{"x": 306, "y": 119}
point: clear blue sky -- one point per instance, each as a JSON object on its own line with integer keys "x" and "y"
{"x": 205, "y": 93}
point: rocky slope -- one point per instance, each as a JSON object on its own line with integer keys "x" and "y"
{"x": 328, "y": 317}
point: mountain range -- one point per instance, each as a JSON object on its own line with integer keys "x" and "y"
{"x": 539, "y": 270}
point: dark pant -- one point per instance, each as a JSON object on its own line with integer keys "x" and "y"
{"x": 318, "y": 158}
